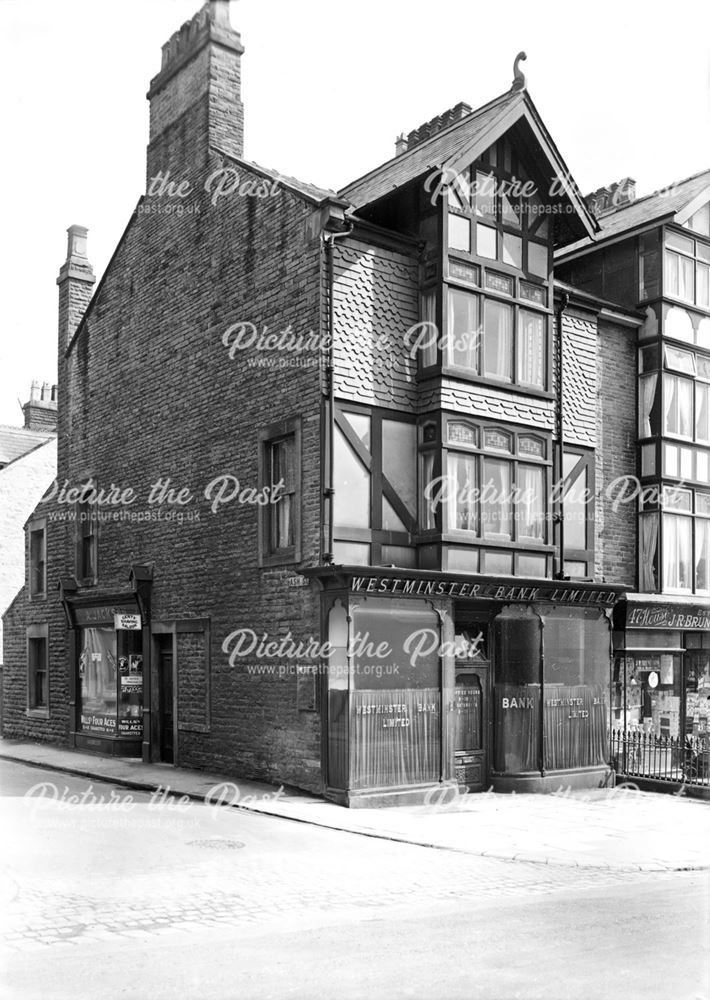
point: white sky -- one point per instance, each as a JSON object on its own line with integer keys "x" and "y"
{"x": 624, "y": 89}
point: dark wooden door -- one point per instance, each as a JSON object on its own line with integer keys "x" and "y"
{"x": 470, "y": 727}
{"x": 165, "y": 696}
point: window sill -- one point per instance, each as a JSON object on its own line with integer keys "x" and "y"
{"x": 37, "y": 713}
{"x": 463, "y": 375}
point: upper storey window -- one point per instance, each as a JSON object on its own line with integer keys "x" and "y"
{"x": 687, "y": 269}
{"x": 498, "y": 216}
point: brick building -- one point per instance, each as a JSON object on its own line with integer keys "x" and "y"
{"x": 312, "y": 523}
{"x": 652, "y": 254}
{"x": 28, "y": 464}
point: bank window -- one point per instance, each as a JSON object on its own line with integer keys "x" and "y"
{"x": 280, "y": 474}
{"x": 38, "y": 560}
{"x": 38, "y": 669}
{"x": 87, "y": 540}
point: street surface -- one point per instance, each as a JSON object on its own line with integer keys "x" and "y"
{"x": 130, "y": 895}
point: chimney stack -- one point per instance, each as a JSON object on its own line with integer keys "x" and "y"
{"x": 76, "y": 280}
{"x": 195, "y": 100}
{"x": 609, "y": 199}
{"x": 41, "y": 409}
{"x": 430, "y": 128}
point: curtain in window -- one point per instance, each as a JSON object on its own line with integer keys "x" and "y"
{"x": 649, "y": 544}
{"x": 461, "y": 490}
{"x": 531, "y": 352}
{"x": 702, "y": 411}
{"x": 517, "y": 727}
{"x": 496, "y": 513}
{"x": 498, "y": 339}
{"x": 575, "y": 725}
{"x": 395, "y": 737}
{"x": 531, "y": 512}
{"x": 679, "y": 405}
{"x": 97, "y": 672}
{"x": 702, "y": 555}
{"x": 677, "y": 547}
{"x": 466, "y": 722}
{"x": 647, "y": 396}
{"x": 463, "y": 329}
{"x": 282, "y": 468}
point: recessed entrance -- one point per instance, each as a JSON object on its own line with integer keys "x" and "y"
{"x": 470, "y": 726}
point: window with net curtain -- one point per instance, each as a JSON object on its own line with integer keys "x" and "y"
{"x": 575, "y": 643}
{"x": 395, "y": 696}
{"x": 577, "y": 672}
{"x": 498, "y": 340}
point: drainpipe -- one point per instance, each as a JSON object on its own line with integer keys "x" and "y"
{"x": 329, "y": 239}
{"x": 558, "y": 516}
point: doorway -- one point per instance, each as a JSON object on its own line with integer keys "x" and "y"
{"x": 164, "y": 661}
{"x": 470, "y": 726}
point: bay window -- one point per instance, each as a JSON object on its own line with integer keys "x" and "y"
{"x": 531, "y": 349}
{"x": 498, "y": 340}
{"x": 493, "y": 490}
{"x": 492, "y": 338}
{"x": 687, "y": 269}
{"x": 678, "y": 406}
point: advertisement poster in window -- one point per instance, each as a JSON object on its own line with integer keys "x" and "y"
{"x": 131, "y": 677}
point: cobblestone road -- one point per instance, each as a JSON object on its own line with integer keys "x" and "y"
{"x": 76, "y": 874}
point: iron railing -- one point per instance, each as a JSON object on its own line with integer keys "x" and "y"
{"x": 665, "y": 758}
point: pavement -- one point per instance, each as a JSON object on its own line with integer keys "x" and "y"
{"x": 620, "y": 829}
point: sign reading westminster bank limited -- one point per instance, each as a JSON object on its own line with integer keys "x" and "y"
{"x": 552, "y": 594}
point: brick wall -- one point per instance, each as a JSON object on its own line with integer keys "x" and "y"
{"x": 616, "y": 453}
{"x": 154, "y": 394}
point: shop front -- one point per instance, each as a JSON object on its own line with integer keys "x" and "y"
{"x": 661, "y": 681}
{"x": 107, "y": 671}
{"x": 435, "y": 679}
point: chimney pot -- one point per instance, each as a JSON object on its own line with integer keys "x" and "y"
{"x": 400, "y": 144}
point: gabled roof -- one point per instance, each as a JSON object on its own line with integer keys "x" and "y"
{"x": 431, "y": 154}
{"x": 675, "y": 203}
{"x": 459, "y": 144}
{"x": 17, "y": 441}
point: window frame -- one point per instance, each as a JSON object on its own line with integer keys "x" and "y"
{"x": 266, "y": 438}
{"x": 37, "y": 633}
{"x": 81, "y": 535}
{"x": 516, "y": 457}
{"x": 36, "y": 526}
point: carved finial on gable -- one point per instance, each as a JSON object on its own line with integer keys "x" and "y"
{"x": 519, "y": 78}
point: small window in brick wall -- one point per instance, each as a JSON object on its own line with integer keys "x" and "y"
{"x": 37, "y": 670}
{"x": 87, "y": 539}
{"x": 280, "y": 481}
{"x": 38, "y": 559}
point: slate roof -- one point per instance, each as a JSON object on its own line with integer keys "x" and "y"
{"x": 643, "y": 211}
{"x": 16, "y": 441}
{"x": 310, "y": 191}
{"x": 430, "y": 154}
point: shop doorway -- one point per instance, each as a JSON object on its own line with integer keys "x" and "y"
{"x": 470, "y": 725}
{"x": 164, "y": 661}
